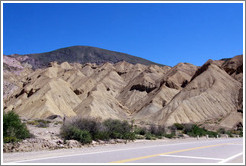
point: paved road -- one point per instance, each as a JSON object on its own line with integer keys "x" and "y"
{"x": 203, "y": 151}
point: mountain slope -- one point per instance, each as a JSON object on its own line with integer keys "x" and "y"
{"x": 210, "y": 95}
{"x": 81, "y": 54}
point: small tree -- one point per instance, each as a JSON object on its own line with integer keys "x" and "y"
{"x": 13, "y": 128}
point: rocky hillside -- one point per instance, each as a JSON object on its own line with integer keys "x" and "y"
{"x": 79, "y": 54}
{"x": 211, "y": 95}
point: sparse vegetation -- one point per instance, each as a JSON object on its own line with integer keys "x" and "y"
{"x": 169, "y": 135}
{"x": 194, "y": 130}
{"x": 153, "y": 132}
{"x": 149, "y": 136}
{"x": 157, "y": 130}
{"x": 13, "y": 129}
{"x": 117, "y": 129}
{"x": 140, "y": 130}
{"x": 39, "y": 123}
{"x": 179, "y": 126}
{"x": 221, "y": 131}
{"x": 72, "y": 132}
{"x": 197, "y": 131}
{"x": 108, "y": 129}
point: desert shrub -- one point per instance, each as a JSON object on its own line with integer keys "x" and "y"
{"x": 93, "y": 126}
{"x": 188, "y": 127}
{"x": 101, "y": 135}
{"x": 42, "y": 125}
{"x": 10, "y": 139}
{"x": 229, "y": 133}
{"x": 198, "y": 131}
{"x": 13, "y": 128}
{"x": 33, "y": 122}
{"x": 117, "y": 128}
{"x": 39, "y": 123}
{"x": 71, "y": 132}
{"x": 173, "y": 128}
{"x": 212, "y": 134}
{"x": 153, "y": 129}
{"x": 157, "y": 130}
{"x": 129, "y": 136}
{"x": 161, "y": 130}
{"x": 179, "y": 126}
{"x": 140, "y": 130}
{"x": 149, "y": 136}
{"x": 108, "y": 129}
{"x": 169, "y": 135}
{"x": 241, "y": 133}
{"x": 221, "y": 131}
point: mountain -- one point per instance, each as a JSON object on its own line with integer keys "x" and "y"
{"x": 210, "y": 95}
{"x": 80, "y": 54}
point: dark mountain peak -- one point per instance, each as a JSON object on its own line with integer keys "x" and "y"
{"x": 83, "y": 54}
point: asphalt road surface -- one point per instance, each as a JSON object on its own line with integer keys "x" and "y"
{"x": 196, "y": 151}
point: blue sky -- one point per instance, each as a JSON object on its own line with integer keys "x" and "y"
{"x": 163, "y": 33}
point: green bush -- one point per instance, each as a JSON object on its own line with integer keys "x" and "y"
{"x": 241, "y": 133}
{"x": 212, "y": 134}
{"x": 179, "y": 126}
{"x": 197, "y": 131}
{"x": 93, "y": 126}
{"x": 13, "y": 128}
{"x": 140, "y": 130}
{"x": 149, "y": 136}
{"x": 229, "y": 133}
{"x": 108, "y": 129}
{"x": 169, "y": 135}
{"x": 117, "y": 129}
{"x": 10, "y": 139}
{"x": 157, "y": 130}
{"x": 129, "y": 136}
{"x": 188, "y": 127}
{"x": 71, "y": 132}
{"x": 221, "y": 131}
{"x": 101, "y": 135}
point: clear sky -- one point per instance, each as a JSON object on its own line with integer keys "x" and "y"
{"x": 163, "y": 33}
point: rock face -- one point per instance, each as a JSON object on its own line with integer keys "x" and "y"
{"x": 13, "y": 71}
{"x": 211, "y": 94}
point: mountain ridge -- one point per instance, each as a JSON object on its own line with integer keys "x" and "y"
{"x": 162, "y": 95}
{"x": 81, "y": 54}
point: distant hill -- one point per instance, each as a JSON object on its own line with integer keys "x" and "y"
{"x": 82, "y": 54}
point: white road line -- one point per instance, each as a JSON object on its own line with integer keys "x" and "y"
{"x": 192, "y": 157}
{"x": 231, "y": 158}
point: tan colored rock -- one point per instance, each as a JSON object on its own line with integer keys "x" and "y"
{"x": 152, "y": 94}
{"x": 207, "y": 96}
